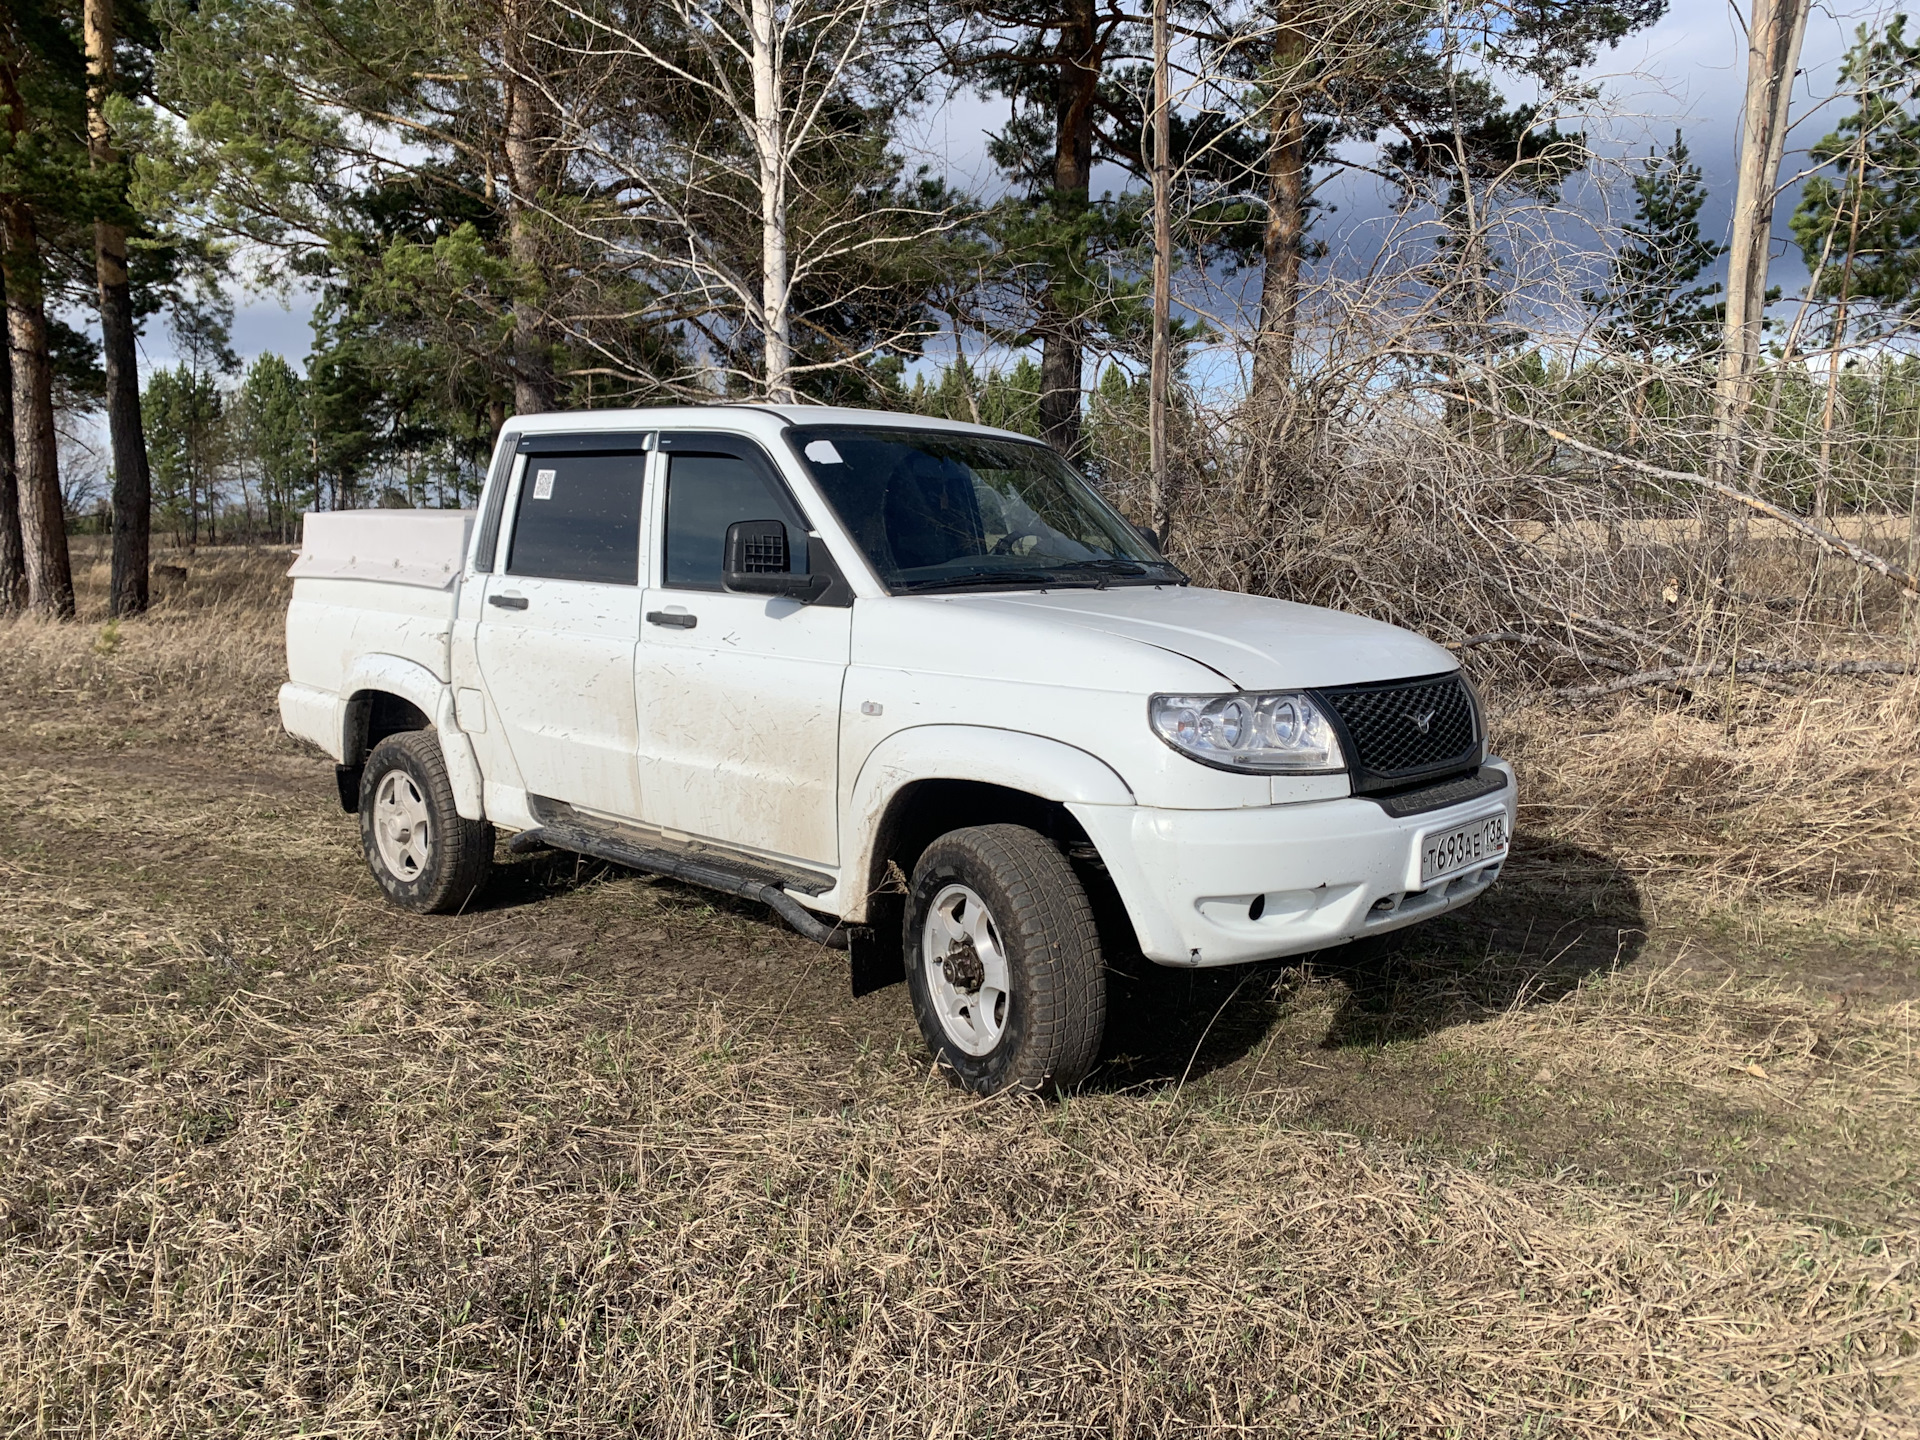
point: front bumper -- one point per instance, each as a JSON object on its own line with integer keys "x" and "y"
{"x": 1324, "y": 873}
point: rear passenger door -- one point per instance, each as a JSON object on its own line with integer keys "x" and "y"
{"x": 739, "y": 695}
{"x": 560, "y": 621}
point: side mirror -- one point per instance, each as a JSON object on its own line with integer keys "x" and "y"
{"x": 758, "y": 562}
{"x": 1146, "y": 533}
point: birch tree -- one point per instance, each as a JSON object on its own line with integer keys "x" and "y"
{"x": 1775, "y": 29}
{"x": 765, "y": 206}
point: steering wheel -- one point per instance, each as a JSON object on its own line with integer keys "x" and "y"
{"x": 1004, "y": 545}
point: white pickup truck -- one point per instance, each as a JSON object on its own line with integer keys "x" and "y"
{"x": 911, "y": 683}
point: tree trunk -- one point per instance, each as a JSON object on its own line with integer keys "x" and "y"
{"x": 1823, "y": 477}
{"x": 13, "y": 562}
{"x": 132, "y": 484}
{"x": 527, "y": 147}
{"x": 1774, "y": 32}
{"x": 43, "y": 520}
{"x": 1284, "y": 235}
{"x": 1913, "y": 509}
{"x": 1281, "y": 244}
{"x": 1160, "y": 378}
{"x": 769, "y": 145}
{"x": 1062, "y": 326}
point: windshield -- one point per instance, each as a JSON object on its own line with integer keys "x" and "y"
{"x": 938, "y": 510}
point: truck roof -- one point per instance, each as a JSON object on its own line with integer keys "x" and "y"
{"x": 767, "y": 420}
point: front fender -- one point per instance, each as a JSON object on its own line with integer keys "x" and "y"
{"x": 1033, "y": 764}
{"x": 414, "y": 683}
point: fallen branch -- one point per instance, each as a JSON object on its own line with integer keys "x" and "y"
{"x": 1741, "y": 667}
{"x": 1494, "y": 637}
{"x": 1837, "y": 544}
{"x": 1622, "y": 632}
{"x": 1517, "y": 637}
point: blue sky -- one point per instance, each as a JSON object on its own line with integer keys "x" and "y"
{"x": 1687, "y": 71}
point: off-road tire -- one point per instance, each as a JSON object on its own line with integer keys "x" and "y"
{"x": 459, "y": 852}
{"x": 1058, "y": 993}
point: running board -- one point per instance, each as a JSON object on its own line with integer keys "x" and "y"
{"x": 706, "y": 871}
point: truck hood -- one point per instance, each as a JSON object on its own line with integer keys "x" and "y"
{"x": 1250, "y": 641}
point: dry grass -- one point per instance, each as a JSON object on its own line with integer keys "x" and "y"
{"x": 1808, "y": 800}
{"x": 440, "y": 1197}
{"x": 1626, "y": 1152}
{"x": 205, "y": 661}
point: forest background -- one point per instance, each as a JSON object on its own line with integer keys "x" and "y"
{"x": 1450, "y": 341}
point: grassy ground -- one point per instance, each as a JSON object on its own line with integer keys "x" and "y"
{"x": 1627, "y": 1148}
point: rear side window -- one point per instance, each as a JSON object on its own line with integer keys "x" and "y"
{"x": 706, "y": 494}
{"x": 579, "y": 519}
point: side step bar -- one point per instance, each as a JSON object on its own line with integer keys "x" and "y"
{"x": 711, "y": 874}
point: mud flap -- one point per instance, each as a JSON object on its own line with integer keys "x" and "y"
{"x": 873, "y": 949}
{"x": 347, "y": 777}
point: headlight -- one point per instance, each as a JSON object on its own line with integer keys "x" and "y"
{"x": 1278, "y": 732}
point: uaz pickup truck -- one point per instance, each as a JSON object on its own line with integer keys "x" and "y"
{"x": 912, "y": 684}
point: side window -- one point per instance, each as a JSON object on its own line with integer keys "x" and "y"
{"x": 706, "y": 494}
{"x": 579, "y": 519}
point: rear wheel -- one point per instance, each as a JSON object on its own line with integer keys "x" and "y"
{"x": 425, "y": 856}
{"x": 1003, "y": 961}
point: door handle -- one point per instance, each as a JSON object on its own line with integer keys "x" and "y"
{"x": 508, "y": 602}
{"x": 672, "y": 619}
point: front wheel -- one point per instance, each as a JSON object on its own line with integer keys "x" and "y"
{"x": 1003, "y": 961}
{"x": 425, "y": 856}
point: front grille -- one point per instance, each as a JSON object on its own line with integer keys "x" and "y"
{"x": 1389, "y": 742}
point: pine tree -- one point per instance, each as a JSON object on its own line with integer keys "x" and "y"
{"x": 13, "y": 560}
{"x": 1465, "y": 171}
{"x": 42, "y": 168}
{"x": 272, "y": 416}
{"x": 107, "y": 34}
{"x": 1650, "y": 305}
{"x": 1050, "y": 60}
{"x": 183, "y": 410}
{"x": 1858, "y": 225}
{"x": 1430, "y": 76}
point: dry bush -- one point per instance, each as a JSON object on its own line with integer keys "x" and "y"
{"x": 1458, "y": 443}
{"x": 1811, "y": 800}
{"x": 1559, "y": 572}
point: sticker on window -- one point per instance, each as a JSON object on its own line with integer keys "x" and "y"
{"x": 543, "y": 484}
{"x": 821, "y": 452}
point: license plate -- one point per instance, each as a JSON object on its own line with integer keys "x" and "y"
{"x": 1462, "y": 847}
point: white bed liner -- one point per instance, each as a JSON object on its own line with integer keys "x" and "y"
{"x": 426, "y": 548}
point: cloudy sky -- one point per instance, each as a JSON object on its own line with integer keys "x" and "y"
{"x": 1685, "y": 72}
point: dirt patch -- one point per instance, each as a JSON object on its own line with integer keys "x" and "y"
{"x": 1377, "y": 1039}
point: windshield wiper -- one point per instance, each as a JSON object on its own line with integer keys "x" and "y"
{"x": 1068, "y": 575}
{"x": 1025, "y": 579}
{"x": 1113, "y": 567}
